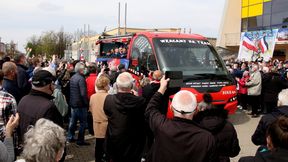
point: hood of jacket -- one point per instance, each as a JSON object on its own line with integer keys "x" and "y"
{"x": 128, "y": 101}
{"x": 212, "y": 120}
{"x": 282, "y": 110}
{"x": 22, "y": 66}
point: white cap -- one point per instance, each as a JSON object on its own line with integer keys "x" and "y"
{"x": 51, "y": 70}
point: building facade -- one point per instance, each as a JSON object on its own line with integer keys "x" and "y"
{"x": 254, "y": 15}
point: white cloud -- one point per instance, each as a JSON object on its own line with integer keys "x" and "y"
{"x": 47, "y": 6}
{"x": 21, "y": 19}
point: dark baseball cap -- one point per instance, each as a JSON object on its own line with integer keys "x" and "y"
{"x": 121, "y": 66}
{"x": 42, "y": 78}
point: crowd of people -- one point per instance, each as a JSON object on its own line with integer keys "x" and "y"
{"x": 42, "y": 101}
{"x": 116, "y": 52}
{"x": 259, "y": 83}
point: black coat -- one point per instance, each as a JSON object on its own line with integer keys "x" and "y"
{"x": 11, "y": 87}
{"x": 214, "y": 120}
{"x": 279, "y": 155}
{"x": 271, "y": 86}
{"x": 34, "y": 106}
{"x": 125, "y": 137}
{"x": 78, "y": 92}
{"x": 150, "y": 89}
{"x": 23, "y": 80}
{"x": 259, "y": 136}
{"x": 177, "y": 139}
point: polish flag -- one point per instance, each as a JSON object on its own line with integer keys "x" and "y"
{"x": 248, "y": 43}
{"x": 263, "y": 44}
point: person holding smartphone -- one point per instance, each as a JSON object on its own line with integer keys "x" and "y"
{"x": 8, "y": 107}
{"x": 7, "y": 149}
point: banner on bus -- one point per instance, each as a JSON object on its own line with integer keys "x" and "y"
{"x": 114, "y": 62}
{"x": 257, "y": 45}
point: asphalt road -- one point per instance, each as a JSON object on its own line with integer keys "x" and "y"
{"x": 244, "y": 125}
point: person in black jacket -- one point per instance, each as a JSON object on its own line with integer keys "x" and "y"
{"x": 150, "y": 89}
{"x": 22, "y": 76}
{"x": 125, "y": 137}
{"x": 38, "y": 104}
{"x": 277, "y": 144}
{"x": 215, "y": 121}
{"x": 9, "y": 80}
{"x": 271, "y": 86}
{"x": 259, "y": 136}
{"x": 79, "y": 104}
{"x": 179, "y": 139}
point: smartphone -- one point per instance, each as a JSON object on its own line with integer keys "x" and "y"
{"x": 176, "y": 78}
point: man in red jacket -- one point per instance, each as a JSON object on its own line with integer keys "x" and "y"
{"x": 90, "y": 81}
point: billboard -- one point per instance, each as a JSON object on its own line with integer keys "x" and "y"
{"x": 257, "y": 45}
{"x": 282, "y": 35}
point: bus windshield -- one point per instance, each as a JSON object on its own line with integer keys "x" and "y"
{"x": 192, "y": 57}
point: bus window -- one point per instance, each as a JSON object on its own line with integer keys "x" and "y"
{"x": 141, "y": 54}
{"x": 113, "y": 50}
{"x": 151, "y": 63}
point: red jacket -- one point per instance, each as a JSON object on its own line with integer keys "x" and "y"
{"x": 242, "y": 88}
{"x": 90, "y": 81}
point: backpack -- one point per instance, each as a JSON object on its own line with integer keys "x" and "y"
{"x": 60, "y": 102}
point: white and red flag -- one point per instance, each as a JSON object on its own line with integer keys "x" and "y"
{"x": 249, "y": 44}
{"x": 263, "y": 45}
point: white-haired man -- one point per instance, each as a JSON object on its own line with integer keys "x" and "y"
{"x": 254, "y": 85}
{"x": 125, "y": 136}
{"x": 79, "y": 104}
{"x": 178, "y": 139}
{"x": 259, "y": 136}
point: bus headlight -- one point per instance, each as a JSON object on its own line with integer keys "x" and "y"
{"x": 232, "y": 99}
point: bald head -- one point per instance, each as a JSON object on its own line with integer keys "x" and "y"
{"x": 184, "y": 104}
{"x": 157, "y": 75}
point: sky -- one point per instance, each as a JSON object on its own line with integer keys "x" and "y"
{"x": 21, "y": 19}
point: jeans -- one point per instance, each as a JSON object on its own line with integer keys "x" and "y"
{"x": 81, "y": 115}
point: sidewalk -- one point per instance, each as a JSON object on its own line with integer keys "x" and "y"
{"x": 77, "y": 153}
{"x": 245, "y": 127}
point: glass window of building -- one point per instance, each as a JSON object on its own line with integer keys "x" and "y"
{"x": 244, "y": 24}
{"x": 279, "y": 6}
{"x": 279, "y": 18}
{"x": 264, "y": 14}
{"x": 255, "y": 22}
{"x": 267, "y": 20}
{"x": 267, "y": 8}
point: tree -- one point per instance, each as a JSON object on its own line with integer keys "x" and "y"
{"x": 49, "y": 43}
{"x": 11, "y": 49}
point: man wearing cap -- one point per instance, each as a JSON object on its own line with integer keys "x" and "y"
{"x": 38, "y": 103}
{"x": 178, "y": 139}
{"x": 121, "y": 69}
